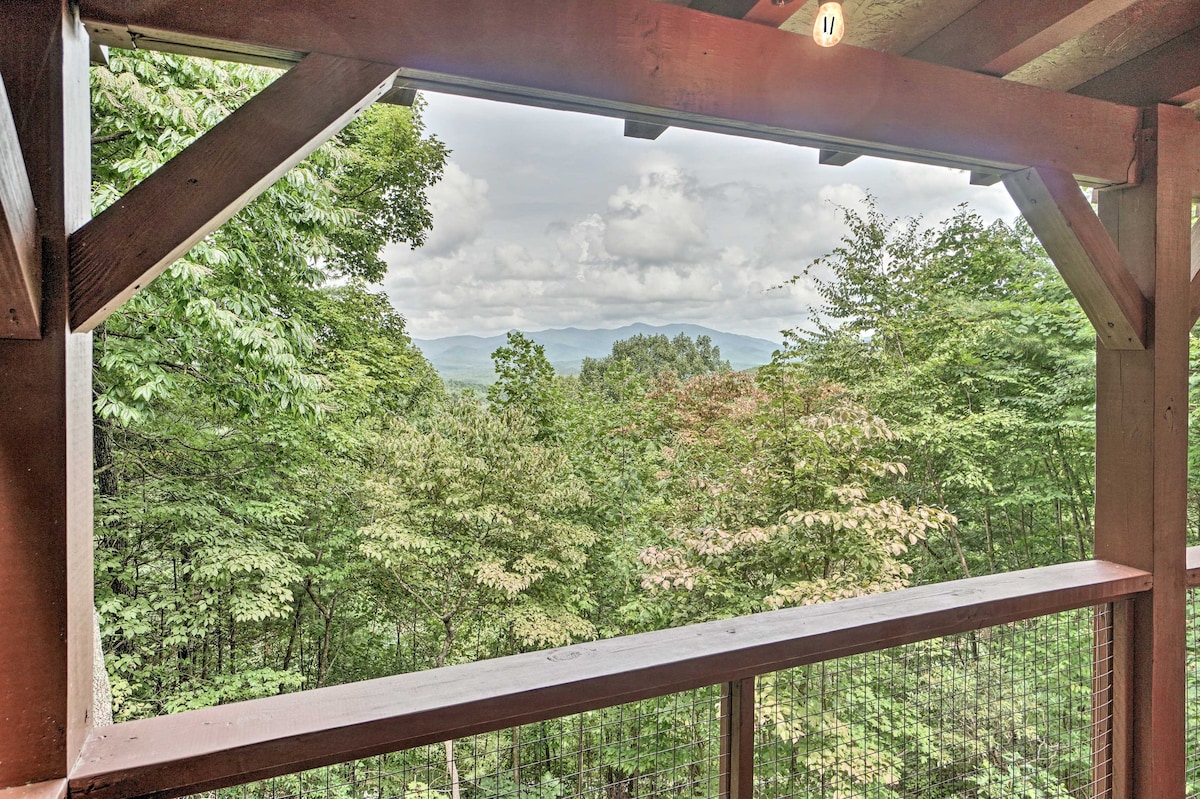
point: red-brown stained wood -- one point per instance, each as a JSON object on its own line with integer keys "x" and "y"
{"x": 1063, "y": 30}
{"x": 203, "y": 749}
{"x": 1084, "y": 253}
{"x": 20, "y": 246}
{"x": 45, "y": 429}
{"x": 991, "y": 29}
{"x": 1141, "y": 443}
{"x": 133, "y": 241}
{"x": 662, "y": 63}
{"x": 1159, "y": 75}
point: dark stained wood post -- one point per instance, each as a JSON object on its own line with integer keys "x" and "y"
{"x": 737, "y": 739}
{"x": 45, "y": 419}
{"x": 1141, "y": 455}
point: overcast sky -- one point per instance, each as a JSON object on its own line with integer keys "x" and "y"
{"x": 550, "y": 219}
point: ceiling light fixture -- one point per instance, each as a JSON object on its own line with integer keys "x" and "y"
{"x": 830, "y": 26}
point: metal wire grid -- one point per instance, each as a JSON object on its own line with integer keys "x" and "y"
{"x": 1015, "y": 710}
{"x": 1001, "y": 712}
{"x": 1193, "y": 694}
{"x": 665, "y": 747}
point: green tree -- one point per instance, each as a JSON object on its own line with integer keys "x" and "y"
{"x": 525, "y": 383}
{"x": 650, "y": 356}
{"x": 224, "y": 467}
{"x": 963, "y": 336}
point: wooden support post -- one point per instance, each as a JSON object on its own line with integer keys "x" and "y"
{"x": 737, "y": 740}
{"x": 46, "y": 423}
{"x": 1141, "y": 450}
{"x": 131, "y": 242}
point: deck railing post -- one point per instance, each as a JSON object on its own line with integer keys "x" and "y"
{"x": 737, "y": 739}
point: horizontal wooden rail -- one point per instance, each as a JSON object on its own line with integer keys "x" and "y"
{"x": 216, "y": 747}
{"x": 1193, "y": 567}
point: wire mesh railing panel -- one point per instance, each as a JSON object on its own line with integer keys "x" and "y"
{"x": 1015, "y": 710}
{"x": 1193, "y": 694}
{"x": 665, "y": 747}
{"x": 1006, "y": 711}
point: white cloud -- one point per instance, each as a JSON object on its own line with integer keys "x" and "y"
{"x": 660, "y": 220}
{"x": 460, "y": 209}
{"x": 548, "y": 219}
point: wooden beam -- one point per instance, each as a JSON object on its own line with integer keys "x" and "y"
{"x": 46, "y": 596}
{"x": 661, "y": 63}
{"x": 99, "y": 53}
{"x": 643, "y": 130}
{"x": 1142, "y": 444}
{"x": 133, "y": 241}
{"x": 200, "y": 750}
{"x": 985, "y": 178}
{"x": 760, "y": 12}
{"x": 1084, "y": 253}
{"x": 992, "y": 29}
{"x": 835, "y": 158}
{"x": 1086, "y": 16}
{"x": 1156, "y": 76}
{"x": 20, "y": 245}
{"x": 398, "y": 94}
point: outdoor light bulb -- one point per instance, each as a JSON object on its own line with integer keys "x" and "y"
{"x": 830, "y": 25}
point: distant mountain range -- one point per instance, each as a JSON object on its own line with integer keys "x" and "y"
{"x": 468, "y": 358}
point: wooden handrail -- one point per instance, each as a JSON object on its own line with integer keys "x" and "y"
{"x": 1193, "y": 567}
{"x": 205, "y": 749}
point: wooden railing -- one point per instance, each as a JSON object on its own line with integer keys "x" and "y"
{"x": 216, "y": 747}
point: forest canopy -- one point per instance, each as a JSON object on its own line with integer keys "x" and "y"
{"x": 288, "y": 496}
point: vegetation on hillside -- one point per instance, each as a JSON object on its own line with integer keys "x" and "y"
{"x": 288, "y": 496}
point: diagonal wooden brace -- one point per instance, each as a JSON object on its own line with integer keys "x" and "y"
{"x": 20, "y": 251}
{"x": 133, "y": 241}
{"x": 1084, "y": 253}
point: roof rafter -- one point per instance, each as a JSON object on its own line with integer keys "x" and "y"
{"x": 998, "y": 36}
{"x": 657, "y": 62}
{"x": 133, "y": 241}
{"x": 20, "y": 250}
{"x": 1166, "y": 71}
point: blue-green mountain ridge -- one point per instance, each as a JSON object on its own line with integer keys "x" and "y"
{"x": 468, "y": 358}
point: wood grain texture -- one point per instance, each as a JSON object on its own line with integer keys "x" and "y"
{"x": 189, "y": 752}
{"x": 1141, "y": 444}
{"x": 1168, "y": 71}
{"x": 1088, "y": 16}
{"x": 45, "y": 430}
{"x": 133, "y": 241}
{"x": 1126, "y": 34}
{"x": 991, "y": 29}
{"x": 20, "y": 245}
{"x": 662, "y": 63}
{"x": 1084, "y": 253}
{"x": 890, "y": 26}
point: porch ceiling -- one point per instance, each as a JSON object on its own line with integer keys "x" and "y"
{"x": 1133, "y": 52}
